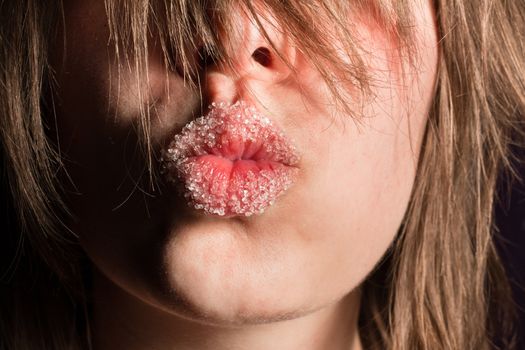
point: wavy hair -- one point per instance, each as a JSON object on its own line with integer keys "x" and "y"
{"x": 441, "y": 284}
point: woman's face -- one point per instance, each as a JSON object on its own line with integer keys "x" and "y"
{"x": 320, "y": 238}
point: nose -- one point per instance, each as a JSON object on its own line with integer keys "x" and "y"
{"x": 253, "y": 61}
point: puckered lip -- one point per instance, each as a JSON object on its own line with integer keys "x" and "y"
{"x": 233, "y": 161}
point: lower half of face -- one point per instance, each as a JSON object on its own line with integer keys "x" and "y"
{"x": 315, "y": 244}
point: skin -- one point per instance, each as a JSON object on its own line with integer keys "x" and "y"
{"x": 167, "y": 277}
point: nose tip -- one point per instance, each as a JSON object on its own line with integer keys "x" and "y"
{"x": 255, "y": 56}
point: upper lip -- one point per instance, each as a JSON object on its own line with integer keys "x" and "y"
{"x": 235, "y": 132}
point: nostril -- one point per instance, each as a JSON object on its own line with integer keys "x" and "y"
{"x": 262, "y": 56}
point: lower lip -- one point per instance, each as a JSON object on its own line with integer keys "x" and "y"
{"x": 227, "y": 187}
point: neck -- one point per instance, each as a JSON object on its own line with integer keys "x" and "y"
{"x": 122, "y": 321}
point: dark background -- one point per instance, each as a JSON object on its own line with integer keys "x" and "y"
{"x": 510, "y": 219}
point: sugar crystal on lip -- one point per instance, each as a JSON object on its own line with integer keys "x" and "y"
{"x": 220, "y": 131}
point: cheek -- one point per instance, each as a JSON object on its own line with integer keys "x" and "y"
{"x": 359, "y": 192}
{"x": 115, "y": 212}
{"x": 361, "y": 171}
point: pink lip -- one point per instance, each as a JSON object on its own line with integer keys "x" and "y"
{"x": 232, "y": 161}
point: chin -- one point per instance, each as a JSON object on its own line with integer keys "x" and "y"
{"x": 217, "y": 275}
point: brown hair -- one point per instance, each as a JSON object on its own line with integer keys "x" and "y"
{"x": 441, "y": 285}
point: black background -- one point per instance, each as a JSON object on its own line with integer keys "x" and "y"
{"x": 510, "y": 219}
